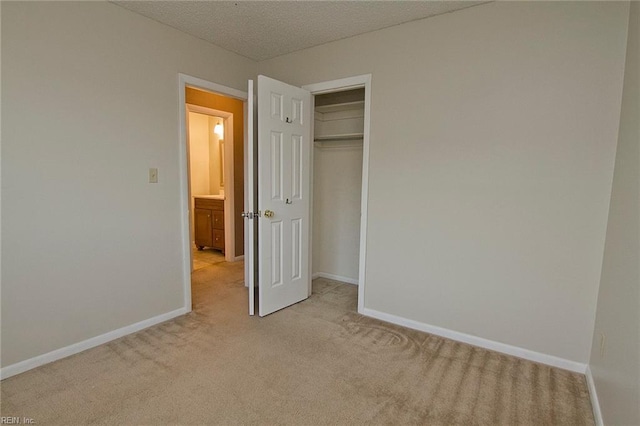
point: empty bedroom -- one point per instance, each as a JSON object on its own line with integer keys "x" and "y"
{"x": 416, "y": 212}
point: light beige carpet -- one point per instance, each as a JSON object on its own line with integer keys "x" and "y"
{"x": 315, "y": 363}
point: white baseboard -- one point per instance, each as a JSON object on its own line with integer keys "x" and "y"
{"x": 478, "y": 341}
{"x": 334, "y": 277}
{"x": 22, "y": 366}
{"x": 595, "y": 404}
{"x": 238, "y": 258}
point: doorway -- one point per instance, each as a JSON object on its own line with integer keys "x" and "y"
{"x": 216, "y": 208}
{"x": 207, "y": 130}
{"x": 337, "y": 184}
{"x": 341, "y": 146}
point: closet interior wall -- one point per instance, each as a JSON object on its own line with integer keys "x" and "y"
{"x": 337, "y": 184}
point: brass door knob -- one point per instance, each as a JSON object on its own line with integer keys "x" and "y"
{"x": 268, "y": 213}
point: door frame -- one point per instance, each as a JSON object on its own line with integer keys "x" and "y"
{"x": 355, "y": 82}
{"x": 229, "y": 198}
{"x": 185, "y": 80}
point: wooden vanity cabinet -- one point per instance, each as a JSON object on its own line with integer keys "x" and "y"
{"x": 209, "y": 223}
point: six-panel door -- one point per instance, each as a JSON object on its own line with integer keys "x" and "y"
{"x": 284, "y": 143}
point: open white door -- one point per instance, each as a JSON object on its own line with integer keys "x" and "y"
{"x": 284, "y": 144}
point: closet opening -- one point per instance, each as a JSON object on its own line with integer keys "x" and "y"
{"x": 337, "y": 180}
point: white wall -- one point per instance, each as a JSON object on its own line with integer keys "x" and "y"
{"x": 616, "y": 370}
{"x": 89, "y": 103}
{"x": 337, "y": 186}
{"x": 204, "y": 155}
{"x": 493, "y": 137}
{"x": 199, "y": 156}
{"x": 215, "y": 159}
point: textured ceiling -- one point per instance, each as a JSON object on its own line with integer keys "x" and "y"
{"x": 265, "y": 29}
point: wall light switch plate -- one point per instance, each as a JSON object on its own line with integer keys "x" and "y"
{"x": 153, "y": 175}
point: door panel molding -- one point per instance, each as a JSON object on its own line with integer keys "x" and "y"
{"x": 284, "y": 162}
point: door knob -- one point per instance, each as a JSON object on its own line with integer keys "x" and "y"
{"x": 268, "y": 213}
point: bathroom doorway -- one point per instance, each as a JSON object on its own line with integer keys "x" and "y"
{"x": 207, "y": 130}
{"x": 215, "y": 172}
{"x": 226, "y": 108}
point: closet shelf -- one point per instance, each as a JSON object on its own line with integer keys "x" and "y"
{"x": 342, "y": 137}
{"x": 338, "y": 144}
{"x": 344, "y": 106}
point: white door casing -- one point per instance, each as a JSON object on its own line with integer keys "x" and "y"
{"x": 185, "y": 198}
{"x": 284, "y": 144}
{"x": 348, "y": 83}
